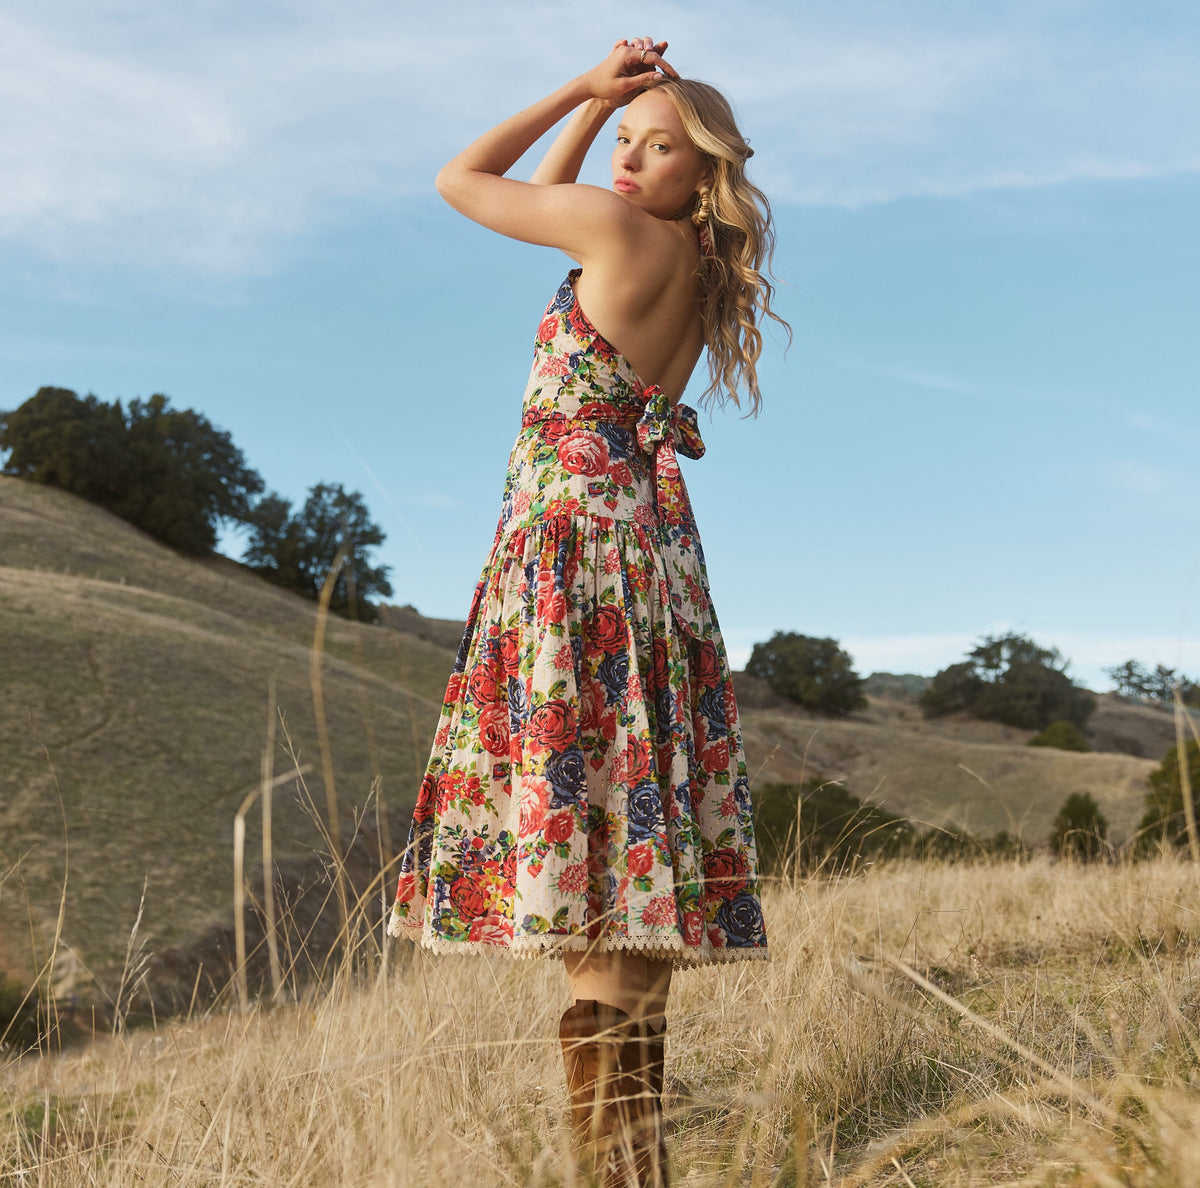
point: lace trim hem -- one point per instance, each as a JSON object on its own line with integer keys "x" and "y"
{"x": 527, "y": 948}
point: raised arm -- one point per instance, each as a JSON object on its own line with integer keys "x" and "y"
{"x": 564, "y": 158}
{"x": 563, "y": 216}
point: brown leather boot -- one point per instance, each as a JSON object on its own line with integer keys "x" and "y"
{"x": 614, "y": 1077}
{"x": 642, "y": 1065}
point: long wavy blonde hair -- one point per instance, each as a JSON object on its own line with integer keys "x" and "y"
{"x": 736, "y": 288}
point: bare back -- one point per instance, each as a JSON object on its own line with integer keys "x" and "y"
{"x": 644, "y": 298}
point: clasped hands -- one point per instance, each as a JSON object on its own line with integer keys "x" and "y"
{"x": 632, "y": 66}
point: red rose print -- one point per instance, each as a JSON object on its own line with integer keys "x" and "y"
{"x": 467, "y": 897}
{"x": 548, "y": 328}
{"x": 693, "y": 927}
{"x": 641, "y": 860}
{"x": 716, "y": 937}
{"x": 725, "y": 873}
{"x": 554, "y": 429}
{"x": 510, "y": 651}
{"x": 607, "y": 630}
{"x": 535, "y": 795}
{"x": 637, "y": 760}
{"x": 662, "y": 664}
{"x": 559, "y": 826}
{"x": 493, "y": 728}
{"x": 490, "y": 930}
{"x": 551, "y": 726}
{"x": 715, "y": 756}
{"x": 406, "y": 889}
{"x": 706, "y": 669}
{"x": 483, "y": 684}
{"x": 591, "y": 703}
{"x": 426, "y": 798}
{"x": 551, "y": 603}
{"x": 584, "y": 452}
{"x": 620, "y": 474}
{"x": 452, "y": 688}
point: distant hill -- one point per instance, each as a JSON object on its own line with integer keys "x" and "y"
{"x": 133, "y": 708}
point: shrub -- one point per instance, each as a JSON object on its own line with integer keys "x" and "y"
{"x": 1061, "y": 735}
{"x": 820, "y": 825}
{"x": 813, "y": 672}
{"x": 1164, "y": 817}
{"x": 1080, "y": 829}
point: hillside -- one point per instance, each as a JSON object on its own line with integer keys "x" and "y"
{"x": 978, "y": 775}
{"x": 133, "y": 704}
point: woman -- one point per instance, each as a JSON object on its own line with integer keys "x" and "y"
{"x": 587, "y": 794}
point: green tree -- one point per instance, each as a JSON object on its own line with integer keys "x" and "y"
{"x": 168, "y": 471}
{"x": 953, "y": 690}
{"x": 190, "y": 476}
{"x": 814, "y": 672}
{"x": 1080, "y": 828}
{"x": 1164, "y": 818}
{"x": 1135, "y": 680}
{"x": 1010, "y": 679}
{"x": 65, "y": 441}
{"x": 299, "y": 551}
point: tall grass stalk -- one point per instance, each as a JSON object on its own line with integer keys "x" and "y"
{"x": 317, "y": 655}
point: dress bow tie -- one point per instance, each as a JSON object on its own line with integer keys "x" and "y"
{"x": 661, "y": 423}
{"x": 661, "y": 431}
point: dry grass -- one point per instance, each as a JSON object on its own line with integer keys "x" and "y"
{"x": 919, "y": 1024}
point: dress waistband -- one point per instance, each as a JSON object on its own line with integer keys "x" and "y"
{"x": 662, "y": 430}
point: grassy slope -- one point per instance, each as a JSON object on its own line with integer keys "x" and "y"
{"x": 977, "y": 774}
{"x": 134, "y": 684}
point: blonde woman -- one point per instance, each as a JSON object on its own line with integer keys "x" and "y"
{"x": 587, "y": 796}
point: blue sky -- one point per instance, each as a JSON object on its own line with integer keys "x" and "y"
{"x": 988, "y": 248}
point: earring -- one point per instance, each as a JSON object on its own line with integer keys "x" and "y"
{"x": 702, "y": 217}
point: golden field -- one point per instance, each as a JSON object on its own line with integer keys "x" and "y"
{"x": 919, "y": 1024}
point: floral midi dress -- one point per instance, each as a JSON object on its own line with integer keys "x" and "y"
{"x": 587, "y": 786}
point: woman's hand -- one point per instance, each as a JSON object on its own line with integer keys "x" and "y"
{"x": 632, "y": 66}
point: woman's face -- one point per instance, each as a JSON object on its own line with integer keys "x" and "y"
{"x": 655, "y": 166}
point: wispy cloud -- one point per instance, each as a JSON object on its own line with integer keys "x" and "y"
{"x": 208, "y": 136}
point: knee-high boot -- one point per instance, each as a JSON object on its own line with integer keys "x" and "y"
{"x": 614, "y": 1067}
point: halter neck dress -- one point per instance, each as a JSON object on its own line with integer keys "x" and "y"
{"x": 587, "y": 786}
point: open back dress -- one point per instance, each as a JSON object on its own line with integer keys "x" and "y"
{"x": 587, "y": 786}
